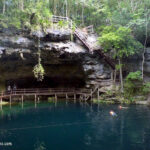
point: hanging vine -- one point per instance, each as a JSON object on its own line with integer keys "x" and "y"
{"x": 38, "y": 69}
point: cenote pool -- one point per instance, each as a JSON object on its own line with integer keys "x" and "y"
{"x": 74, "y": 126}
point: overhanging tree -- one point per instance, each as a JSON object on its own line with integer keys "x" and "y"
{"x": 121, "y": 42}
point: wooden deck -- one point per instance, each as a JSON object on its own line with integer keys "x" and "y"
{"x": 75, "y": 94}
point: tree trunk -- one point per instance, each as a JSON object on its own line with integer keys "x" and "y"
{"x": 54, "y": 7}
{"x": 66, "y": 9}
{"x": 143, "y": 61}
{"x": 22, "y": 5}
{"x": 82, "y": 13}
{"x": 4, "y": 7}
{"x": 121, "y": 77}
{"x": 143, "y": 55}
{"x": 114, "y": 76}
{"x": 63, "y": 9}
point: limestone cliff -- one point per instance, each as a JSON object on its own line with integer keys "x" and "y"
{"x": 67, "y": 63}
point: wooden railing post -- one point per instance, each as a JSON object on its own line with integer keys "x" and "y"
{"x": 91, "y": 94}
{"x": 92, "y": 29}
{"x": 98, "y": 94}
{"x": 10, "y": 100}
{"x": 1, "y": 102}
{"x": 112, "y": 75}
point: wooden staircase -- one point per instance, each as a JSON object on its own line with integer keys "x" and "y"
{"x": 92, "y": 93}
{"x": 107, "y": 59}
{"x": 82, "y": 38}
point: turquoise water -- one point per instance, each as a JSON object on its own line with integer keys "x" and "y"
{"x": 72, "y": 126}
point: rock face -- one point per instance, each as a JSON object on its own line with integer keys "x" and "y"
{"x": 147, "y": 64}
{"x": 134, "y": 63}
{"x": 67, "y": 63}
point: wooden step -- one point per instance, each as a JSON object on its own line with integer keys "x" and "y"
{"x": 106, "y": 58}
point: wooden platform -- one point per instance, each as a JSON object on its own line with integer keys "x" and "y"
{"x": 81, "y": 94}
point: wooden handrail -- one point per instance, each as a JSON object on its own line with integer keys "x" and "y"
{"x": 44, "y": 90}
{"x": 89, "y": 29}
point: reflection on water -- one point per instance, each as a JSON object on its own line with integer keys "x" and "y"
{"x": 77, "y": 126}
{"x": 39, "y": 146}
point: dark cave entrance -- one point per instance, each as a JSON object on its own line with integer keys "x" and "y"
{"x": 57, "y": 76}
{"x": 48, "y": 82}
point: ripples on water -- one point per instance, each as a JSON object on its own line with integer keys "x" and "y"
{"x": 72, "y": 126}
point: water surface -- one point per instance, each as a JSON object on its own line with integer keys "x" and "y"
{"x": 70, "y": 126}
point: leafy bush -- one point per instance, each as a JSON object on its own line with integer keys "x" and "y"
{"x": 134, "y": 76}
{"x": 133, "y": 84}
{"x": 146, "y": 88}
{"x": 63, "y": 24}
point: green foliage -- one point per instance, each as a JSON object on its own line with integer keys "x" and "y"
{"x": 133, "y": 84}
{"x": 129, "y": 100}
{"x": 119, "y": 40}
{"x": 134, "y": 76}
{"x": 118, "y": 66}
{"x": 34, "y": 15}
{"x": 39, "y": 72}
{"x": 138, "y": 24}
{"x": 38, "y": 16}
{"x": 146, "y": 88}
{"x": 51, "y": 99}
{"x": 119, "y": 13}
{"x": 103, "y": 101}
{"x": 63, "y": 24}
